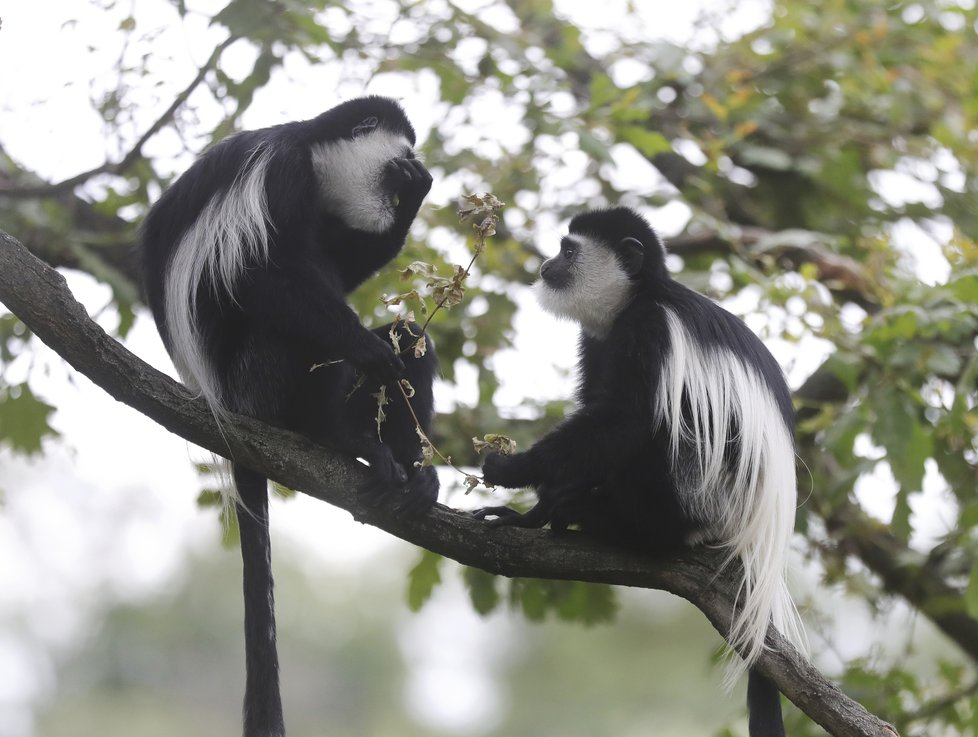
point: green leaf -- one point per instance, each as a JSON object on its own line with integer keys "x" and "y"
{"x": 482, "y": 589}
{"x": 965, "y": 287}
{"x": 846, "y": 367}
{"x": 210, "y": 498}
{"x": 422, "y": 579}
{"x": 968, "y": 517}
{"x": 603, "y": 90}
{"x": 532, "y": 598}
{"x": 649, "y": 143}
{"x": 971, "y": 593}
{"x": 593, "y": 146}
{"x": 900, "y": 522}
{"x": 899, "y": 324}
{"x": 898, "y": 429}
{"x": 768, "y": 157}
{"x": 943, "y": 360}
{"x": 840, "y": 436}
{"x": 24, "y": 419}
{"x": 589, "y": 603}
{"x": 230, "y": 531}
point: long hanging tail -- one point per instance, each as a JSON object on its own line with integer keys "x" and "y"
{"x": 763, "y": 707}
{"x": 262, "y": 701}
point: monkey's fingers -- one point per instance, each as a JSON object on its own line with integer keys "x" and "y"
{"x": 409, "y": 179}
{"x": 510, "y": 471}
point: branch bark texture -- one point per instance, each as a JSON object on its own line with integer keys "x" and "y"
{"x": 39, "y": 297}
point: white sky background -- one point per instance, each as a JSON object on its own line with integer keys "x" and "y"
{"x": 113, "y": 504}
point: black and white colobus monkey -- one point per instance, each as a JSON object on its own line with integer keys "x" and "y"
{"x": 248, "y": 259}
{"x": 683, "y": 430}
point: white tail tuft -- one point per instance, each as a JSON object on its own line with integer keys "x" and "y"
{"x": 746, "y": 502}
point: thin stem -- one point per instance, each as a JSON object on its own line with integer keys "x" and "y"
{"x": 424, "y": 326}
{"x": 417, "y": 424}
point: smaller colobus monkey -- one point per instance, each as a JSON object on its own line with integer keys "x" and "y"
{"x": 683, "y": 430}
{"x": 248, "y": 259}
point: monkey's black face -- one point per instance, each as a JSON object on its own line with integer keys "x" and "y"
{"x": 558, "y": 272}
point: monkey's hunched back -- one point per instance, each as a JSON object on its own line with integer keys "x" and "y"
{"x": 248, "y": 259}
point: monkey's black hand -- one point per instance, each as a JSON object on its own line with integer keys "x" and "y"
{"x": 511, "y": 471}
{"x": 408, "y": 182}
{"x": 377, "y": 359}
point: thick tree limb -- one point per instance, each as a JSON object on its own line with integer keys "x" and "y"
{"x": 38, "y": 295}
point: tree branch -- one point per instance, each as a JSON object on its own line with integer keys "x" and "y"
{"x": 121, "y": 166}
{"x": 844, "y": 277}
{"x": 38, "y": 295}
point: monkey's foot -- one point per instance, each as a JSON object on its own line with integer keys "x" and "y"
{"x": 413, "y": 495}
{"x": 421, "y": 491}
{"x": 509, "y": 517}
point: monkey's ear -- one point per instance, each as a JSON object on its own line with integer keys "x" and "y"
{"x": 631, "y": 254}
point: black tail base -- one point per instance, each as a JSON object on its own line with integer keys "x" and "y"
{"x": 763, "y": 707}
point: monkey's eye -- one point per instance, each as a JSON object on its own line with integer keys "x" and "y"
{"x": 568, "y": 251}
{"x": 409, "y": 154}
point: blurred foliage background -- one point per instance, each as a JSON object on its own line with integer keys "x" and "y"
{"x": 812, "y": 165}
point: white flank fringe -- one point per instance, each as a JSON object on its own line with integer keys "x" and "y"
{"x": 231, "y": 231}
{"x": 748, "y": 505}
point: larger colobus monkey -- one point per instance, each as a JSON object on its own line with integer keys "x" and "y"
{"x": 248, "y": 260}
{"x": 684, "y": 429}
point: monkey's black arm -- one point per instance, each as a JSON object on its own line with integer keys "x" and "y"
{"x": 408, "y": 182}
{"x": 294, "y": 301}
{"x": 576, "y": 453}
{"x": 38, "y": 295}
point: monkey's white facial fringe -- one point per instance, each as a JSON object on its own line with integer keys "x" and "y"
{"x": 597, "y": 293}
{"x": 351, "y": 177}
{"x": 747, "y": 502}
{"x": 231, "y": 231}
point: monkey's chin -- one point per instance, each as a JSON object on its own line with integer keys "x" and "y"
{"x": 554, "y": 301}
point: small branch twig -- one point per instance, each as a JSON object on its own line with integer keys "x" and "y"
{"x": 121, "y": 166}
{"x": 473, "y": 207}
{"x": 38, "y": 295}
